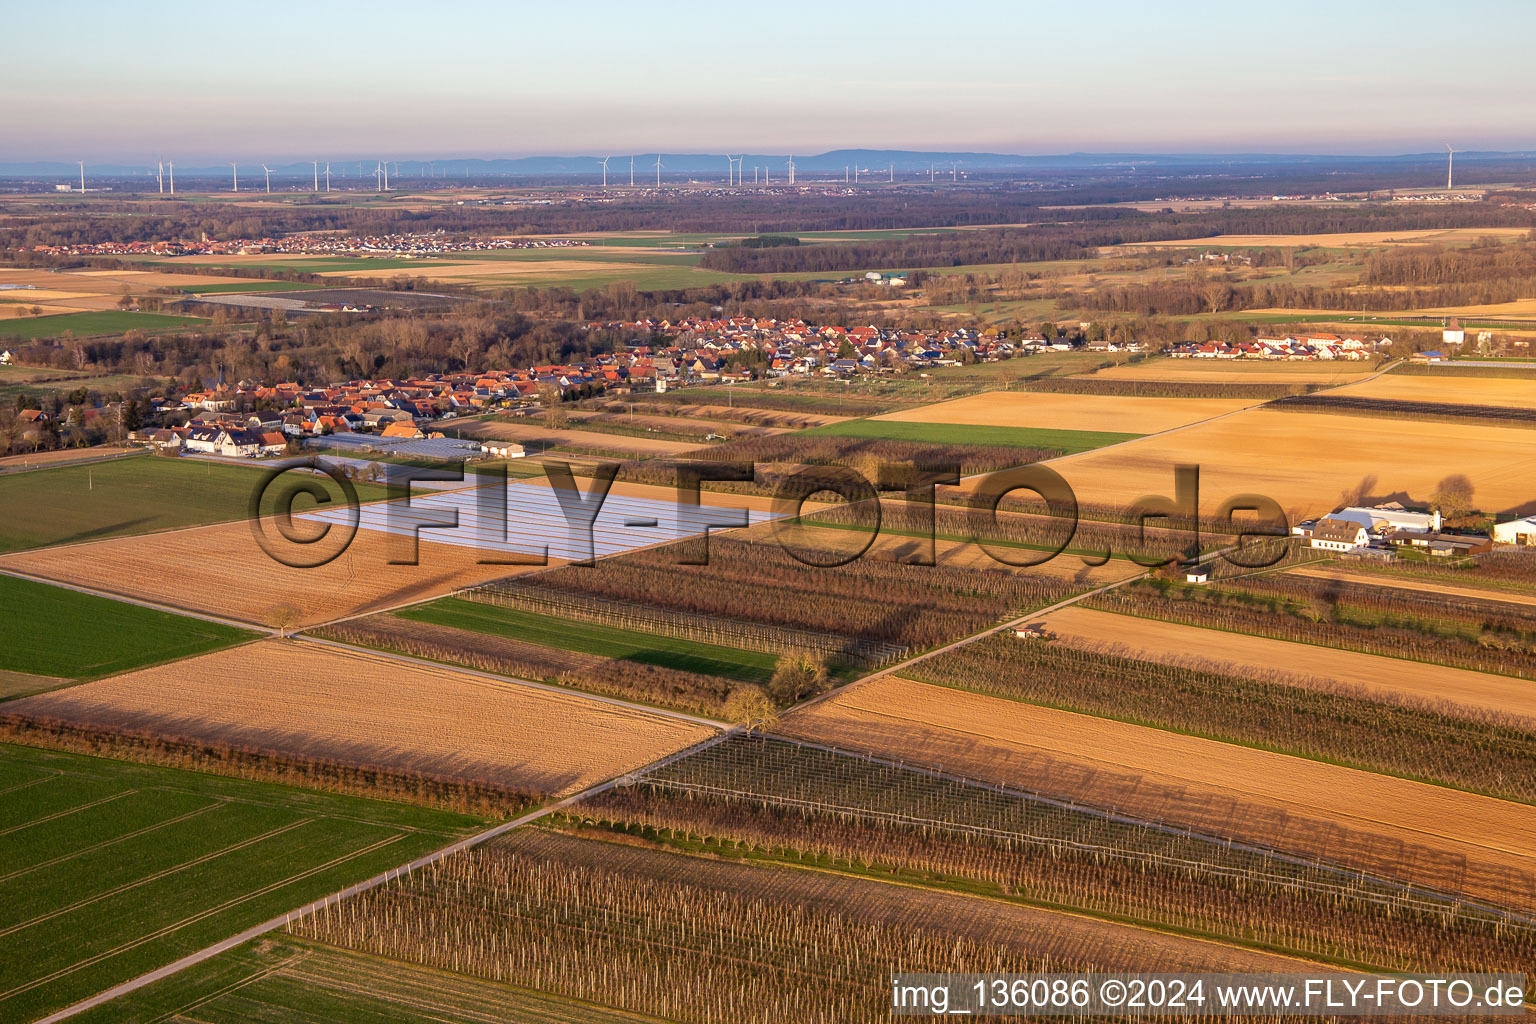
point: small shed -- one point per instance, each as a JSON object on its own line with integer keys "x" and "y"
{"x": 1199, "y": 574}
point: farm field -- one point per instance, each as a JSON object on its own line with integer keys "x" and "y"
{"x": 142, "y": 494}
{"x": 87, "y": 324}
{"x": 580, "y": 268}
{"x": 1237, "y": 371}
{"x": 1068, "y": 440}
{"x": 682, "y": 927}
{"x": 1369, "y": 239}
{"x": 1431, "y": 585}
{"x": 223, "y": 564}
{"x": 281, "y": 978}
{"x": 1032, "y": 410}
{"x": 110, "y": 869}
{"x": 1386, "y": 678}
{"x": 60, "y": 457}
{"x": 302, "y": 698}
{"x": 1308, "y": 461}
{"x": 731, "y": 413}
{"x": 588, "y": 638}
{"x": 1421, "y": 833}
{"x": 1449, "y": 388}
{"x": 55, "y": 632}
{"x": 769, "y": 799}
{"x": 537, "y": 434}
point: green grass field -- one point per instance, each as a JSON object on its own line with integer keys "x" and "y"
{"x": 110, "y": 869}
{"x": 604, "y": 641}
{"x": 1068, "y": 441}
{"x": 86, "y": 324}
{"x": 282, "y": 979}
{"x": 53, "y": 631}
{"x": 126, "y": 496}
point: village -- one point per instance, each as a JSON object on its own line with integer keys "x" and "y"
{"x": 1289, "y": 347}
{"x": 436, "y": 243}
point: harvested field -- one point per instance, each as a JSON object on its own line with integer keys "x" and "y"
{"x": 639, "y": 424}
{"x": 731, "y": 413}
{"x": 691, "y": 692}
{"x": 220, "y": 569}
{"x": 1072, "y": 412}
{"x": 538, "y": 434}
{"x": 1429, "y": 585}
{"x": 61, "y": 456}
{"x": 90, "y": 290}
{"x": 1448, "y": 388}
{"x": 295, "y": 697}
{"x": 1390, "y": 678}
{"x": 1210, "y": 370}
{"x": 1339, "y": 239}
{"x": 1436, "y": 837}
{"x": 1308, "y": 461}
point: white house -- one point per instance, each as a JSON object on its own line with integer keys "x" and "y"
{"x": 6, "y": 357}
{"x": 219, "y": 441}
{"x": 1339, "y": 535}
{"x": 1389, "y": 517}
{"x": 503, "y": 449}
{"x": 1517, "y": 531}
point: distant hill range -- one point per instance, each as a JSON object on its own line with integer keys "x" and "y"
{"x": 873, "y": 162}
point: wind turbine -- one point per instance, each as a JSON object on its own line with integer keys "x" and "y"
{"x": 631, "y": 172}
{"x": 160, "y": 177}
{"x": 172, "y": 166}
{"x": 605, "y": 170}
{"x": 317, "y": 174}
{"x": 82, "y": 175}
{"x": 378, "y": 181}
{"x": 658, "y": 170}
{"x": 954, "y": 172}
{"x": 327, "y": 175}
{"x": 791, "y": 168}
{"x": 1450, "y": 166}
{"x": 236, "y": 172}
{"x": 269, "y": 178}
{"x": 893, "y": 172}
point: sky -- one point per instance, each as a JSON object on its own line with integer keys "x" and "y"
{"x": 281, "y": 81}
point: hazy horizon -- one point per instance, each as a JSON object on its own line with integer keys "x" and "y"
{"x": 292, "y": 82}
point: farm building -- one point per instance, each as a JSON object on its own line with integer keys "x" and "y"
{"x": 1517, "y": 531}
{"x": 503, "y": 449}
{"x": 1380, "y": 519}
{"x": 1339, "y": 535}
{"x": 1199, "y": 574}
